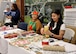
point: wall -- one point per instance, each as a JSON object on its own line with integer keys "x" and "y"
{"x": 20, "y": 4}
{"x": 70, "y": 16}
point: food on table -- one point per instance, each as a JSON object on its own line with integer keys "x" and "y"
{"x": 11, "y": 35}
{"x": 37, "y": 38}
{"x": 20, "y": 42}
{"x": 26, "y": 47}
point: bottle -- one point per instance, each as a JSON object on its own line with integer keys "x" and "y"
{"x": 46, "y": 28}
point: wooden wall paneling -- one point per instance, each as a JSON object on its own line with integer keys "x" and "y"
{"x": 20, "y": 4}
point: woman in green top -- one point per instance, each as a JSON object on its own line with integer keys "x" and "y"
{"x": 34, "y": 23}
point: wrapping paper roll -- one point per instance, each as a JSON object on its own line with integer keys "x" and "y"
{"x": 54, "y": 48}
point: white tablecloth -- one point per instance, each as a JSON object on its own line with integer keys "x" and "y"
{"x": 5, "y": 47}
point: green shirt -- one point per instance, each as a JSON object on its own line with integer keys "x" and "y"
{"x": 32, "y": 25}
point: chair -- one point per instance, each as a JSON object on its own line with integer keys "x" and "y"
{"x": 22, "y": 25}
{"x": 69, "y": 34}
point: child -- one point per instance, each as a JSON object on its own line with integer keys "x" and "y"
{"x": 7, "y": 12}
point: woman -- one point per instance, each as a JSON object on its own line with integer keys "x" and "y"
{"x": 56, "y": 26}
{"x": 34, "y": 23}
{"x": 15, "y": 15}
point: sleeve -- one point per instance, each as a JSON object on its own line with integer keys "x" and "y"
{"x": 17, "y": 15}
{"x": 48, "y": 24}
{"x": 7, "y": 12}
{"x": 62, "y": 27}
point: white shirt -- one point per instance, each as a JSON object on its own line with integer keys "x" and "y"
{"x": 6, "y": 19}
{"x": 61, "y": 28}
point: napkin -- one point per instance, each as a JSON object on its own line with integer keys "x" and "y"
{"x": 54, "y": 48}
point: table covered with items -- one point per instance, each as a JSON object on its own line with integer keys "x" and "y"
{"x": 13, "y": 42}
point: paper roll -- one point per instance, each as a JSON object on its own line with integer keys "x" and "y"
{"x": 54, "y": 48}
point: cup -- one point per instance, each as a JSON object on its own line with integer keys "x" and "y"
{"x": 46, "y": 28}
{"x": 45, "y": 42}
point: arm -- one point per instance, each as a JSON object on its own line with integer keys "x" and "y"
{"x": 60, "y": 36}
{"x": 17, "y": 15}
{"x": 61, "y": 32}
{"x": 38, "y": 26}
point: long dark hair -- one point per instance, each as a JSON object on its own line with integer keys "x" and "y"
{"x": 58, "y": 12}
{"x": 15, "y": 6}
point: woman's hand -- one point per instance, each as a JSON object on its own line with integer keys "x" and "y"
{"x": 27, "y": 32}
{"x": 47, "y": 32}
{"x": 32, "y": 31}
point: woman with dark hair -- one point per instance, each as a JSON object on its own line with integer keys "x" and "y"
{"x": 56, "y": 28}
{"x": 14, "y": 15}
{"x": 34, "y": 24}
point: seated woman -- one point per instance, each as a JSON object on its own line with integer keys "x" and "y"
{"x": 56, "y": 26}
{"x": 34, "y": 23}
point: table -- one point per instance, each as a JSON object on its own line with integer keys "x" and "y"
{"x": 3, "y": 42}
{"x": 18, "y": 50}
